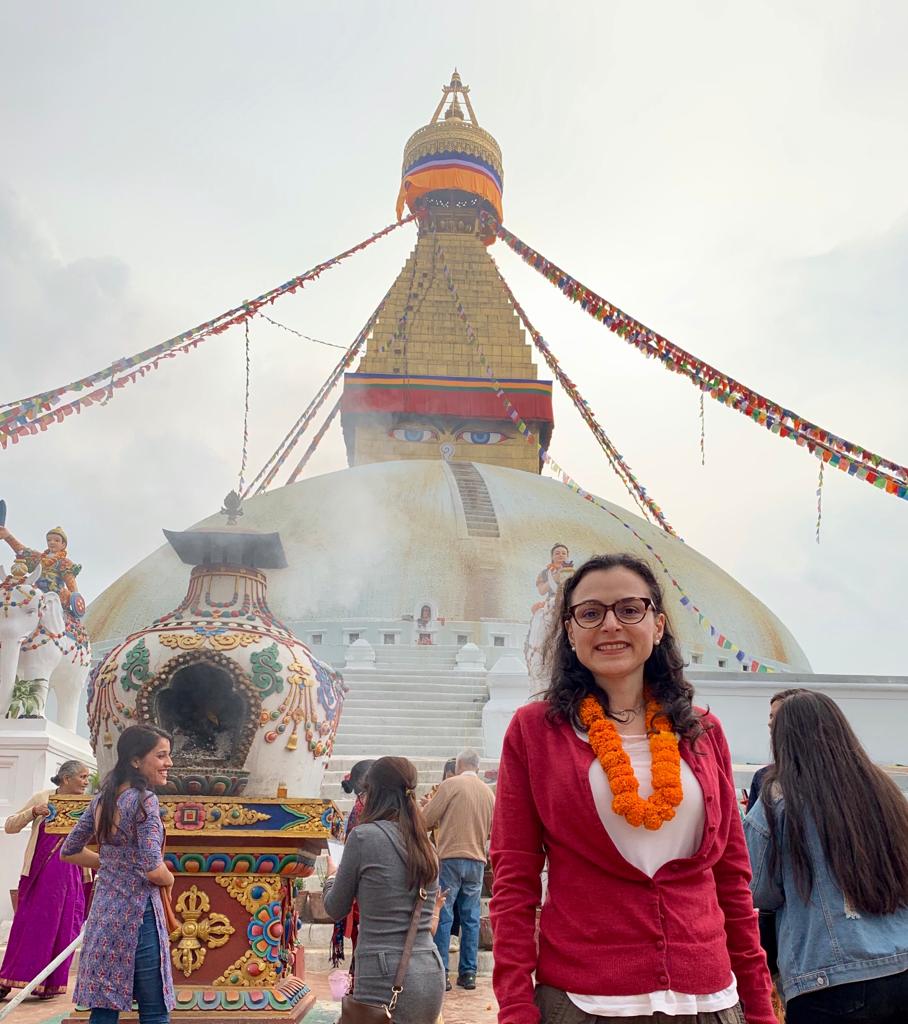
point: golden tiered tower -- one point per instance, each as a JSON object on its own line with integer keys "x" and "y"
{"x": 420, "y": 391}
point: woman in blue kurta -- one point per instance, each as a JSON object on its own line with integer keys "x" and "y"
{"x": 126, "y": 954}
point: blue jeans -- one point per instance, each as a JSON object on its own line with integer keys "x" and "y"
{"x": 875, "y": 1001}
{"x": 147, "y": 986}
{"x": 463, "y": 880}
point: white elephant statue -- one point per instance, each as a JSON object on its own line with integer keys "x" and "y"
{"x": 41, "y": 648}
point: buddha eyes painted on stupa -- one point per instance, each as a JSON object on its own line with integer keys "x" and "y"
{"x": 481, "y": 436}
{"x": 467, "y": 434}
{"x": 416, "y": 434}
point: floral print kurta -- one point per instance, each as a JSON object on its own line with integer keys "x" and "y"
{"x": 121, "y": 893}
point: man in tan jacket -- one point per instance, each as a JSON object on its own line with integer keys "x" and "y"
{"x": 461, "y": 814}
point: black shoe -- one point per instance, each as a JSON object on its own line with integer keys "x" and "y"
{"x": 448, "y": 985}
{"x": 466, "y": 980}
{"x": 4, "y": 991}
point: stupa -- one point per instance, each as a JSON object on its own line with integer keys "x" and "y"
{"x": 417, "y": 566}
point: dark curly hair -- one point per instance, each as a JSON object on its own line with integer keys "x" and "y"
{"x": 663, "y": 672}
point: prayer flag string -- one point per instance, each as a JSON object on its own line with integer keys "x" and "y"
{"x": 29, "y": 416}
{"x": 851, "y": 458}
{"x": 746, "y": 660}
{"x": 703, "y": 433}
{"x": 820, "y": 500}
{"x": 299, "y": 334}
{"x": 310, "y": 451}
{"x": 245, "y": 414}
{"x": 623, "y": 471}
{"x": 277, "y": 459}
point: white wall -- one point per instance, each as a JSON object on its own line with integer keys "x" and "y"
{"x": 876, "y": 706}
{"x": 31, "y": 750}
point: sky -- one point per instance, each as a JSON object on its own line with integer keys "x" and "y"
{"x": 731, "y": 175}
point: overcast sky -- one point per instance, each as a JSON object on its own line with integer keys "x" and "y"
{"x": 732, "y": 175}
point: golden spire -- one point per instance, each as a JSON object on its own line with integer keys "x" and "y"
{"x": 451, "y": 92}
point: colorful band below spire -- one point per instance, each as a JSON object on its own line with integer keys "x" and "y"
{"x": 450, "y": 170}
{"x": 471, "y": 398}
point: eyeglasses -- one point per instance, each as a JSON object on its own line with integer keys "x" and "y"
{"x": 628, "y": 611}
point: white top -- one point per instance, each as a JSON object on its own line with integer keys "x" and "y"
{"x": 648, "y": 851}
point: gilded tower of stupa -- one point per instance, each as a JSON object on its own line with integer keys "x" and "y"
{"x": 420, "y": 391}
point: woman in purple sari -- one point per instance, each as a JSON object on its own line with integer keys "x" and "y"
{"x": 51, "y": 906}
{"x": 126, "y": 954}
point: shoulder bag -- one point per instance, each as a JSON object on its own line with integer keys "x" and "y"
{"x": 355, "y": 1012}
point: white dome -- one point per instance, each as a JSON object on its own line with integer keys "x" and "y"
{"x": 377, "y": 541}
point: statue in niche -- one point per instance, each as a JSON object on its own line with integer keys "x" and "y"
{"x": 548, "y": 584}
{"x": 427, "y": 624}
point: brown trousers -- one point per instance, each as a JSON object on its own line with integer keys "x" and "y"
{"x": 557, "y": 1008}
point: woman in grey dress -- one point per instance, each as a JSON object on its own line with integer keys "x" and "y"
{"x": 387, "y": 860}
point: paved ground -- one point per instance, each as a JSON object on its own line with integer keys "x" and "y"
{"x": 461, "y": 1007}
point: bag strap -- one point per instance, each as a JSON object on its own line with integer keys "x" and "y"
{"x": 398, "y": 985}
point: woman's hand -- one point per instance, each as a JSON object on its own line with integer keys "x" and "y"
{"x": 40, "y": 811}
{"x": 440, "y": 899}
{"x": 161, "y": 876}
{"x": 85, "y": 858}
{"x": 332, "y": 868}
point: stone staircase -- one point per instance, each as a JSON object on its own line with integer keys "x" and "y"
{"x": 412, "y": 703}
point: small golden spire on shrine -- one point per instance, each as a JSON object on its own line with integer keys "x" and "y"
{"x": 454, "y": 110}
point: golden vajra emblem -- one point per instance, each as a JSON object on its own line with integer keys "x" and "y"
{"x": 197, "y": 933}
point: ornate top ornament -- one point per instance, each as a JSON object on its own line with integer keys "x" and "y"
{"x": 452, "y": 154}
{"x": 232, "y": 508}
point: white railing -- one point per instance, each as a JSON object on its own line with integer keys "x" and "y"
{"x": 35, "y": 982}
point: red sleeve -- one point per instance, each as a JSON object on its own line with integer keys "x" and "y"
{"x": 732, "y": 875}
{"x": 517, "y": 862}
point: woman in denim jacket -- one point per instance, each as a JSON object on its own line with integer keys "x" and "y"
{"x": 828, "y": 841}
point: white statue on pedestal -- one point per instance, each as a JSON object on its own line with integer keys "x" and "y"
{"x": 548, "y": 585}
{"x": 42, "y": 641}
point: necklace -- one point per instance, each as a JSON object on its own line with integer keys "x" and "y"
{"x": 666, "y": 765}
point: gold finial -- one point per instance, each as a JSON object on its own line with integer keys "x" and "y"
{"x": 452, "y": 92}
{"x": 233, "y": 508}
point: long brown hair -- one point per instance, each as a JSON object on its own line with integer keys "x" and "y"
{"x": 663, "y": 672}
{"x": 391, "y": 796}
{"x": 135, "y": 742}
{"x": 861, "y": 816}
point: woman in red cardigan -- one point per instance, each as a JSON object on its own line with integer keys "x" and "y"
{"x": 627, "y": 790}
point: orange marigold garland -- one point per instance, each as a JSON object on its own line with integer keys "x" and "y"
{"x": 666, "y": 770}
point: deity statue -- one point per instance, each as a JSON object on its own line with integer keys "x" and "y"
{"x": 58, "y": 572}
{"x": 43, "y": 644}
{"x": 548, "y": 584}
{"x": 427, "y": 624}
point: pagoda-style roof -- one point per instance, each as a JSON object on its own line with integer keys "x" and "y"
{"x": 227, "y": 546}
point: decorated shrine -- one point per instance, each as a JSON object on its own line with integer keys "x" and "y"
{"x": 245, "y": 700}
{"x": 253, "y": 717}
